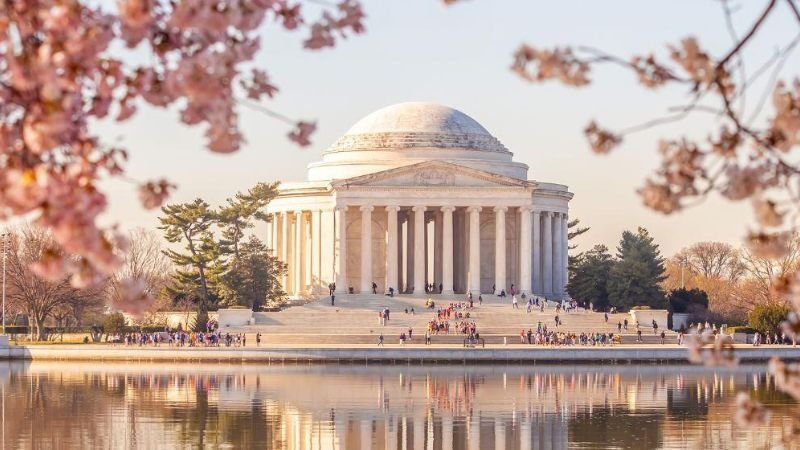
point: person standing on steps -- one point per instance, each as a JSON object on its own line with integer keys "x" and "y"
{"x": 374, "y": 288}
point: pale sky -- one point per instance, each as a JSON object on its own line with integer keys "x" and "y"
{"x": 419, "y": 50}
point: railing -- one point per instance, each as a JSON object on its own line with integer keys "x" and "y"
{"x": 474, "y": 342}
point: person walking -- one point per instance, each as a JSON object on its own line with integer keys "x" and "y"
{"x": 374, "y": 288}
{"x": 626, "y": 324}
{"x": 331, "y": 289}
{"x": 258, "y": 339}
{"x": 663, "y": 335}
{"x": 655, "y": 327}
{"x": 380, "y": 340}
{"x": 638, "y": 335}
{"x": 514, "y": 304}
{"x": 605, "y": 316}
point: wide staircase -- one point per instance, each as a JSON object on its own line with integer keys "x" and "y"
{"x": 354, "y": 319}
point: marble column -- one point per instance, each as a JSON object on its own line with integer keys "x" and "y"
{"x": 499, "y": 248}
{"x": 270, "y": 226}
{"x": 537, "y": 252}
{"x": 391, "y": 249}
{"x": 558, "y": 285}
{"x": 547, "y": 248}
{"x": 340, "y": 238}
{"x": 306, "y": 286}
{"x": 525, "y": 250}
{"x": 316, "y": 251}
{"x": 447, "y": 249}
{"x": 565, "y": 250}
{"x": 297, "y": 270}
{"x": 285, "y": 249}
{"x": 366, "y": 249}
{"x": 419, "y": 250}
{"x": 276, "y": 228}
{"x": 474, "y": 250}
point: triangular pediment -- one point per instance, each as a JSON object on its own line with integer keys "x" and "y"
{"x": 432, "y": 174}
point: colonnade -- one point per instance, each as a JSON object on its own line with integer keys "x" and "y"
{"x": 314, "y": 244}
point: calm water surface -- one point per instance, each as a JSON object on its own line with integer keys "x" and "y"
{"x": 189, "y": 406}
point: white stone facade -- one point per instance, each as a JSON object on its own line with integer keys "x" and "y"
{"x": 417, "y": 194}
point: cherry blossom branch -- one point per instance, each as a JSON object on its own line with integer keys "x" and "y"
{"x": 752, "y": 32}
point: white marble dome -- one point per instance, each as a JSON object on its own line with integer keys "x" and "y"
{"x": 417, "y": 117}
{"x": 413, "y": 132}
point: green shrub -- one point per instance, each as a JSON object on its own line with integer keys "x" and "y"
{"x": 767, "y": 318}
{"x": 687, "y": 300}
{"x": 114, "y": 323}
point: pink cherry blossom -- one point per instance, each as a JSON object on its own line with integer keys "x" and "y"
{"x": 302, "y": 133}
{"x": 64, "y": 70}
{"x": 153, "y": 194}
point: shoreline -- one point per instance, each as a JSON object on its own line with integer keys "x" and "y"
{"x": 444, "y": 354}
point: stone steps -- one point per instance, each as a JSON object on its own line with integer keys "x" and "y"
{"x": 393, "y": 338}
{"x": 354, "y": 320}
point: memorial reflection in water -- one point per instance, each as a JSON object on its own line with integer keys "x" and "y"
{"x": 53, "y": 405}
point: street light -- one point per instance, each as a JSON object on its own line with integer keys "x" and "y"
{"x": 5, "y": 249}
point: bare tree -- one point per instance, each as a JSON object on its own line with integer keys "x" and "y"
{"x": 712, "y": 260}
{"x": 145, "y": 262}
{"x": 38, "y": 298}
{"x": 770, "y": 275}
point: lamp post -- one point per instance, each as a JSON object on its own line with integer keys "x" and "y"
{"x": 5, "y": 250}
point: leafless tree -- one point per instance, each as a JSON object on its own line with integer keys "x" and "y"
{"x": 712, "y": 260}
{"x": 38, "y": 298}
{"x": 144, "y": 261}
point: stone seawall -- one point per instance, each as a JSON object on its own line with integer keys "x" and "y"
{"x": 391, "y": 354}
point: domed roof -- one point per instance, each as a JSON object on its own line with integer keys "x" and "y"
{"x": 417, "y": 117}
{"x": 415, "y": 125}
{"x": 410, "y": 133}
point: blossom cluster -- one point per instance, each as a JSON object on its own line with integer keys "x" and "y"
{"x": 62, "y": 68}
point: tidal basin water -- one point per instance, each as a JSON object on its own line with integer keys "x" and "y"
{"x": 103, "y": 405}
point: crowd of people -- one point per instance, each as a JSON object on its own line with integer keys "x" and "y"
{"x": 180, "y": 338}
{"x": 543, "y": 336}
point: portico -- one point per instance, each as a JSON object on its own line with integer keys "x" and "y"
{"x": 452, "y": 210}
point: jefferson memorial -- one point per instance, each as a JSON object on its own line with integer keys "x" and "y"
{"x": 418, "y": 194}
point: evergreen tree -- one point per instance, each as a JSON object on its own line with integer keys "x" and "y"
{"x": 574, "y": 229}
{"x": 638, "y": 272}
{"x": 255, "y": 280}
{"x": 202, "y": 262}
{"x": 589, "y": 277}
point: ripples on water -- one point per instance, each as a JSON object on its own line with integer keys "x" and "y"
{"x": 125, "y": 406}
